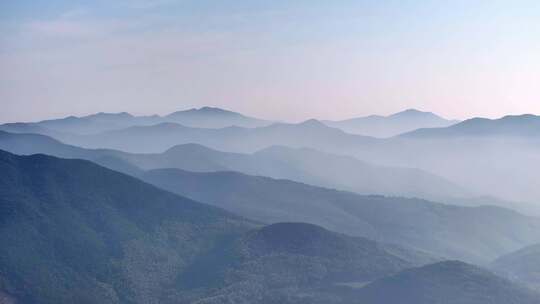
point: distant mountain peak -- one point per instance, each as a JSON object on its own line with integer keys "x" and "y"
{"x": 313, "y": 123}
{"x": 413, "y": 110}
{"x": 69, "y": 118}
{"x": 106, "y": 115}
{"x": 205, "y": 110}
{"x": 520, "y": 117}
{"x": 214, "y": 110}
{"x": 413, "y": 113}
{"x": 391, "y": 125}
{"x": 514, "y": 125}
{"x": 188, "y": 147}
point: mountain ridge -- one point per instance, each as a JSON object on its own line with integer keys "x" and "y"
{"x": 277, "y": 161}
{"x": 522, "y": 266}
{"x": 510, "y": 125}
{"x": 390, "y": 125}
{"x": 74, "y": 232}
{"x": 455, "y": 282}
{"x": 204, "y": 117}
{"x": 420, "y": 224}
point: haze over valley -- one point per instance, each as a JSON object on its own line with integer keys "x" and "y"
{"x": 267, "y": 173}
{"x": 269, "y": 152}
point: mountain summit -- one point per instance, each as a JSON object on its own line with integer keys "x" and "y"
{"x": 212, "y": 117}
{"x": 387, "y": 126}
{"x": 414, "y": 113}
{"x": 511, "y": 125}
{"x": 205, "y": 117}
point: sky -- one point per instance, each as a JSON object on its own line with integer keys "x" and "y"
{"x": 286, "y": 60}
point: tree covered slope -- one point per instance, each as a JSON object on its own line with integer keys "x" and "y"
{"x": 449, "y": 282}
{"x": 75, "y": 232}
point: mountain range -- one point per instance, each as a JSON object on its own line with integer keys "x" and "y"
{"x": 303, "y": 165}
{"x": 526, "y": 125}
{"x": 211, "y": 206}
{"x": 522, "y": 265}
{"x": 259, "y": 197}
{"x": 211, "y": 117}
{"x": 479, "y": 160}
{"x": 258, "y": 222}
{"x": 474, "y": 234}
{"x": 160, "y": 137}
{"x": 75, "y": 232}
{"x": 392, "y": 125}
{"x": 205, "y": 117}
{"x": 477, "y": 163}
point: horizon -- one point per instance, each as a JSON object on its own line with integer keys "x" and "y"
{"x": 288, "y": 62}
{"x": 264, "y": 118}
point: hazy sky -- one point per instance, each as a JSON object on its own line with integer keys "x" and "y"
{"x": 286, "y": 60}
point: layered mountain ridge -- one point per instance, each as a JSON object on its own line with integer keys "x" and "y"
{"x": 74, "y": 232}
{"x": 391, "y": 125}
